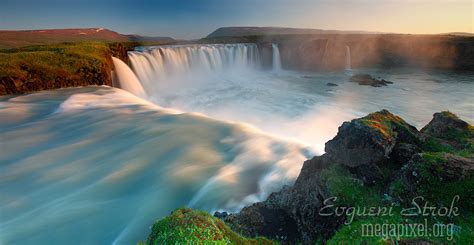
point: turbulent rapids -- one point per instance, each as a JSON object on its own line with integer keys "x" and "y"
{"x": 204, "y": 126}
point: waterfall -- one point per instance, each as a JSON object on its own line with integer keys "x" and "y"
{"x": 159, "y": 65}
{"x": 348, "y": 58}
{"x": 127, "y": 79}
{"x": 276, "y": 57}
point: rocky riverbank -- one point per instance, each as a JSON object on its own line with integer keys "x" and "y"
{"x": 377, "y": 161}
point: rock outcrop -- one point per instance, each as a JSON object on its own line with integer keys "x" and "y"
{"x": 368, "y": 80}
{"x": 446, "y": 124}
{"x": 375, "y": 160}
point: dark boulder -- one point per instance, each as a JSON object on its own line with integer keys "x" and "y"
{"x": 370, "y": 140}
{"x": 445, "y": 124}
{"x": 262, "y": 220}
{"x": 368, "y": 80}
{"x": 403, "y": 152}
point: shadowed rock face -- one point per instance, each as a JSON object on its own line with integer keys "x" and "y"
{"x": 379, "y": 150}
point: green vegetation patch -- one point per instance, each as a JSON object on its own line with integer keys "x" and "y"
{"x": 349, "y": 190}
{"x": 54, "y": 66}
{"x": 389, "y": 125}
{"x": 186, "y": 226}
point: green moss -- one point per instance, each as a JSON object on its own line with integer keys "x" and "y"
{"x": 390, "y": 126}
{"x": 349, "y": 190}
{"x": 436, "y": 145}
{"x": 185, "y": 226}
{"x": 455, "y": 141}
{"x": 437, "y": 190}
{"x": 353, "y": 233}
{"x": 462, "y": 233}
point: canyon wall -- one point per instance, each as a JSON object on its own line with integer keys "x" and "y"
{"x": 328, "y": 52}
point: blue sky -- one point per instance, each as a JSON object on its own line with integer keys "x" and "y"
{"x": 197, "y": 18}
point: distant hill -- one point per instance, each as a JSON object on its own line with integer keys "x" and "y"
{"x": 462, "y": 34}
{"x": 15, "y": 39}
{"x": 138, "y": 38}
{"x": 257, "y": 31}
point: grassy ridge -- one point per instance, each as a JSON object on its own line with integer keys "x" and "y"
{"x": 15, "y": 39}
{"x": 55, "y": 66}
{"x": 52, "y": 66}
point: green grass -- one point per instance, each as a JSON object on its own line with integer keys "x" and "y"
{"x": 186, "y": 226}
{"x": 349, "y": 190}
{"x": 67, "y": 57}
{"x": 42, "y": 67}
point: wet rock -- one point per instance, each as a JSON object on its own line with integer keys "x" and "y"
{"x": 368, "y": 80}
{"x": 331, "y": 84}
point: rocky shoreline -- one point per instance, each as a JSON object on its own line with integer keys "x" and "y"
{"x": 378, "y": 161}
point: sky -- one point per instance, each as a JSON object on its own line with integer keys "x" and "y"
{"x": 189, "y": 19}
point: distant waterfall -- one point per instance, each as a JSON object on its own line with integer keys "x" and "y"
{"x": 127, "y": 79}
{"x": 276, "y": 57}
{"x": 348, "y": 58}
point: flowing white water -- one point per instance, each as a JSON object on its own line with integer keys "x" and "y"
{"x": 276, "y": 58}
{"x": 127, "y": 79}
{"x": 98, "y": 165}
{"x": 348, "y": 58}
{"x": 291, "y": 104}
{"x": 158, "y": 67}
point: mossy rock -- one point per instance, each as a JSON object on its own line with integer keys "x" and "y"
{"x": 370, "y": 139}
{"x": 438, "y": 177}
{"x": 448, "y": 133}
{"x": 186, "y": 226}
